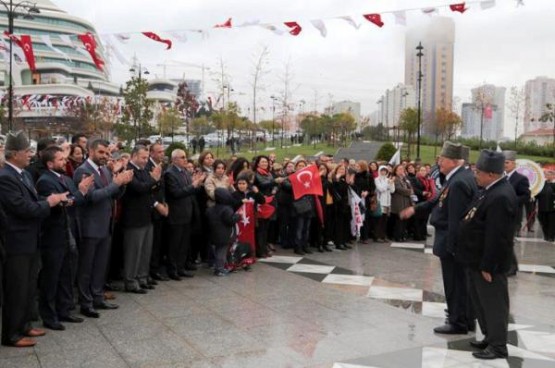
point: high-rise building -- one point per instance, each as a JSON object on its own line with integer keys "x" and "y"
{"x": 438, "y": 39}
{"x": 393, "y": 102}
{"x": 350, "y": 107}
{"x": 539, "y": 92}
{"x": 486, "y": 113}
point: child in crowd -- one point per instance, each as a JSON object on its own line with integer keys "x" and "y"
{"x": 222, "y": 220}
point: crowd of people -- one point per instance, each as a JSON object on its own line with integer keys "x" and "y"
{"x": 87, "y": 214}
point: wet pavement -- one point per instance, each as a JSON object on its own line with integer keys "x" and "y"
{"x": 372, "y": 306}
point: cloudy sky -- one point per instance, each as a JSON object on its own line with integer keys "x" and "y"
{"x": 505, "y": 45}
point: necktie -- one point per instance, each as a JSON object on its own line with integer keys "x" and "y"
{"x": 103, "y": 177}
{"x": 27, "y": 181}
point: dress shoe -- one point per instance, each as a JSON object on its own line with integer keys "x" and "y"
{"x": 326, "y": 248}
{"x": 89, "y": 312}
{"x": 152, "y": 282}
{"x": 299, "y": 251}
{"x": 271, "y": 247}
{"x": 109, "y": 296}
{"x": 347, "y": 246}
{"x": 174, "y": 276}
{"x": 191, "y": 267}
{"x": 307, "y": 250}
{"x": 185, "y": 274}
{"x": 449, "y": 329}
{"x": 159, "y": 277}
{"x": 363, "y": 242}
{"x": 147, "y": 286}
{"x": 24, "y": 342}
{"x": 488, "y": 354}
{"x": 71, "y": 319}
{"x": 340, "y": 247}
{"x": 106, "y": 306}
{"x": 320, "y": 249}
{"x": 56, "y": 326}
{"x": 35, "y": 332}
{"x": 479, "y": 344}
{"x": 136, "y": 291}
{"x": 112, "y": 287}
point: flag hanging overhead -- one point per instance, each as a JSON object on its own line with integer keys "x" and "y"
{"x": 458, "y": 7}
{"x": 295, "y": 28}
{"x": 374, "y": 18}
{"x": 320, "y": 26}
{"x": 226, "y": 24}
{"x": 90, "y": 44}
{"x": 24, "y": 41}
{"x": 153, "y": 36}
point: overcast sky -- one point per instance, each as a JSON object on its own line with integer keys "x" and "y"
{"x": 505, "y": 45}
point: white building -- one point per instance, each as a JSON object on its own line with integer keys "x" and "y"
{"x": 350, "y": 107}
{"x": 542, "y": 137}
{"x": 57, "y": 76}
{"x": 393, "y": 102}
{"x": 486, "y": 113}
{"x": 539, "y": 92}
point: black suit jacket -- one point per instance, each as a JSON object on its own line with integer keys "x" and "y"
{"x": 138, "y": 201}
{"x": 159, "y": 192}
{"x": 24, "y": 212}
{"x": 521, "y": 185}
{"x": 486, "y": 234}
{"x": 55, "y": 226}
{"x": 448, "y": 208}
{"x": 180, "y": 195}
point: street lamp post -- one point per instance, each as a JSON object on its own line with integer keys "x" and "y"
{"x": 139, "y": 70}
{"x": 28, "y": 9}
{"x": 274, "y": 98}
{"x": 419, "y": 54}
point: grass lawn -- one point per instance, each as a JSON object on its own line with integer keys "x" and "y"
{"x": 428, "y": 153}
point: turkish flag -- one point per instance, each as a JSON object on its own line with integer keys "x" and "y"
{"x": 306, "y": 181}
{"x": 155, "y": 37}
{"x": 295, "y": 28}
{"x": 27, "y": 46}
{"x": 246, "y": 225}
{"x": 226, "y": 24}
{"x": 90, "y": 44}
{"x": 488, "y": 112}
{"x": 374, "y": 18}
{"x": 458, "y": 8}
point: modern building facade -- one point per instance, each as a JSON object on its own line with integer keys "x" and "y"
{"x": 393, "y": 102}
{"x": 538, "y": 93}
{"x": 486, "y": 112}
{"x": 350, "y": 107}
{"x": 438, "y": 39}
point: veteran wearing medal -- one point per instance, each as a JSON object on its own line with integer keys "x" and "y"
{"x": 486, "y": 248}
{"x": 448, "y": 209}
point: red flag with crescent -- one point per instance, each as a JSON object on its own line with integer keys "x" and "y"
{"x": 295, "y": 28}
{"x": 374, "y": 18}
{"x": 458, "y": 7}
{"x": 155, "y": 37}
{"x": 226, "y": 24}
{"x": 90, "y": 45}
{"x": 306, "y": 181}
{"x": 26, "y": 45}
{"x": 246, "y": 224}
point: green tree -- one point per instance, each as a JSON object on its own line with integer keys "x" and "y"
{"x": 549, "y": 115}
{"x": 408, "y": 121}
{"x": 386, "y": 152}
{"x": 312, "y": 126}
{"x": 137, "y": 112}
{"x": 169, "y": 121}
{"x": 200, "y": 126}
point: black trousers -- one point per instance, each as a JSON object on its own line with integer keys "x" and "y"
{"x": 179, "y": 240}
{"x": 56, "y": 283}
{"x": 94, "y": 254}
{"x": 158, "y": 251}
{"x": 262, "y": 237}
{"x": 455, "y": 284}
{"x": 342, "y": 228}
{"x": 19, "y": 292}
{"x": 547, "y": 222}
{"x": 491, "y": 302}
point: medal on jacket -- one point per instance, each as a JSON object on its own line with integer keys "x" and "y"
{"x": 470, "y": 214}
{"x": 443, "y": 196}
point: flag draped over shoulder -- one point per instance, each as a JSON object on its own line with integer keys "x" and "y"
{"x": 246, "y": 225}
{"x": 357, "y": 216}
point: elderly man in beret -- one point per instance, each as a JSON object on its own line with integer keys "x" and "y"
{"x": 447, "y": 209}
{"x": 486, "y": 247}
{"x": 24, "y": 214}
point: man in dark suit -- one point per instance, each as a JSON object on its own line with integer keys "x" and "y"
{"x": 158, "y": 219}
{"x": 136, "y": 220}
{"x": 486, "y": 246}
{"x": 546, "y": 206}
{"x": 24, "y": 214}
{"x": 181, "y": 189}
{"x": 521, "y": 186}
{"x": 447, "y": 210}
{"x": 58, "y": 241}
{"x": 95, "y": 224}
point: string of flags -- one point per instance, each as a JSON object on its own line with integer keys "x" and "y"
{"x": 88, "y": 44}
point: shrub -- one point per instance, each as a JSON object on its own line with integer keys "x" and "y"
{"x": 387, "y": 150}
{"x": 174, "y": 146}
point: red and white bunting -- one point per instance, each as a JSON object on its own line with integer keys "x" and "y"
{"x": 461, "y": 7}
{"x": 400, "y": 17}
{"x": 226, "y": 24}
{"x": 350, "y": 21}
{"x": 374, "y": 18}
{"x": 153, "y": 36}
{"x": 487, "y": 4}
{"x": 295, "y": 28}
{"x": 320, "y": 26}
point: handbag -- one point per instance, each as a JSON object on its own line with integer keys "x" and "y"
{"x": 266, "y": 210}
{"x": 302, "y": 206}
{"x": 375, "y": 207}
